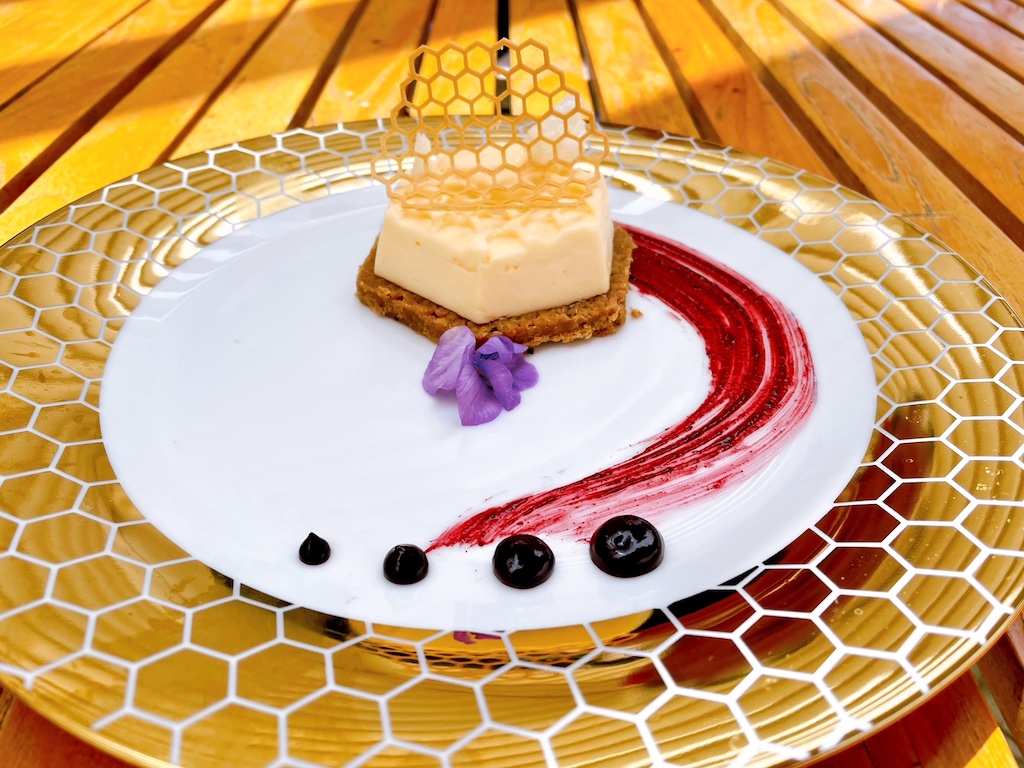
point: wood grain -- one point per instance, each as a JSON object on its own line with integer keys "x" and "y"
{"x": 268, "y": 91}
{"x": 365, "y": 83}
{"x": 42, "y": 123}
{"x": 617, "y": 42}
{"x": 551, "y": 22}
{"x": 40, "y": 34}
{"x": 136, "y": 133}
{"x": 742, "y": 112}
{"x": 462, "y": 22}
{"x": 889, "y": 165}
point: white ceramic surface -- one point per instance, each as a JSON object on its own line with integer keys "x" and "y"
{"x": 250, "y": 399}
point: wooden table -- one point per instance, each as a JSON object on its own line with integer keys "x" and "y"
{"x": 917, "y": 103}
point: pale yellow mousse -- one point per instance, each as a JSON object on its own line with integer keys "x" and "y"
{"x": 497, "y": 262}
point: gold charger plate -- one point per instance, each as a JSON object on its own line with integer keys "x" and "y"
{"x": 121, "y": 637}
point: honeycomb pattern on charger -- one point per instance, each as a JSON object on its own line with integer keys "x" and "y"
{"x": 108, "y": 627}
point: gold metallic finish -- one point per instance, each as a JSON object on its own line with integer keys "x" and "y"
{"x": 123, "y": 638}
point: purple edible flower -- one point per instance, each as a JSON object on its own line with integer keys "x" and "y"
{"x": 484, "y": 380}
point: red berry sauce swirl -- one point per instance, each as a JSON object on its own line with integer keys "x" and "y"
{"x": 762, "y": 391}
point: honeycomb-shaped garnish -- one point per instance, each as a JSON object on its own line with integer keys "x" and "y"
{"x": 544, "y": 156}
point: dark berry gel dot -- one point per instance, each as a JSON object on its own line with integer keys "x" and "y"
{"x": 314, "y": 550}
{"x": 523, "y": 561}
{"x": 627, "y": 545}
{"x": 405, "y": 564}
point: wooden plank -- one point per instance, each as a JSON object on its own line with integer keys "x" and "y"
{"x": 992, "y": 161}
{"x": 892, "y": 168}
{"x": 634, "y": 85}
{"x": 365, "y": 83}
{"x": 266, "y": 94}
{"x": 40, "y": 34}
{"x": 1003, "y": 669}
{"x": 1004, "y": 12}
{"x": 999, "y": 45}
{"x": 956, "y": 729}
{"x": 742, "y": 112}
{"x": 134, "y": 134}
{"x": 462, "y": 22}
{"x": 974, "y": 76}
{"x": 550, "y": 22}
{"x": 46, "y": 119}
{"x": 27, "y": 740}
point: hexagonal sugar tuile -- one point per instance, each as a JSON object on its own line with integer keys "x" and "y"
{"x": 545, "y": 156}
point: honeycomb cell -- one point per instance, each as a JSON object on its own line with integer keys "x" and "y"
{"x": 87, "y": 268}
{"x": 41, "y": 635}
{"x": 693, "y": 731}
{"x": 997, "y": 526}
{"x": 354, "y": 724}
{"x": 789, "y": 711}
{"x": 145, "y": 543}
{"x": 514, "y": 749}
{"x": 7, "y": 530}
{"x": 46, "y": 291}
{"x": 1001, "y": 574}
{"x": 788, "y": 643}
{"x": 391, "y": 757}
{"x": 99, "y": 582}
{"x": 235, "y": 735}
{"x": 63, "y": 538}
{"x": 69, "y": 423}
{"x": 548, "y": 698}
{"x": 110, "y": 502}
{"x": 86, "y": 358}
{"x": 709, "y": 663}
{"x": 861, "y": 269}
{"x": 316, "y": 629}
{"x": 868, "y": 622}
{"x": 189, "y": 584}
{"x": 976, "y": 398}
{"x": 37, "y": 494}
{"x": 935, "y": 548}
{"x": 24, "y": 452}
{"x": 934, "y": 500}
{"x": 434, "y": 713}
{"x": 945, "y": 601}
{"x": 109, "y": 301}
{"x": 28, "y": 348}
{"x": 21, "y": 582}
{"x": 922, "y": 459}
{"x": 69, "y": 323}
{"x": 858, "y": 523}
{"x": 198, "y": 681}
{"x": 15, "y": 315}
{"x": 991, "y": 480}
{"x": 233, "y": 627}
{"x": 862, "y": 568}
{"x": 368, "y": 667}
{"x": 106, "y": 683}
{"x": 138, "y": 630}
{"x": 538, "y": 646}
{"x": 789, "y": 589}
{"x": 46, "y": 385}
{"x": 15, "y": 413}
{"x": 280, "y": 675}
{"x": 593, "y": 739}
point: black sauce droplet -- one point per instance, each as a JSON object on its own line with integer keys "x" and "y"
{"x": 314, "y": 550}
{"x": 523, "y": 561}
{"x": 626, "y": 546}
{"x": 405, "y": 564}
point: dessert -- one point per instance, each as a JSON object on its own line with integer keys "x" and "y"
{"x": 497, "y": 222}
{"x": 626, "y": 546}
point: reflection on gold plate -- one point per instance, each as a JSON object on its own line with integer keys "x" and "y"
{"x": 117, "y": 634}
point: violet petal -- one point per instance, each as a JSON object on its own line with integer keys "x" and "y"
{"x": 477, "y": 403}
{"x": 500, "y": 378}
{"x": 453, "y": 353}
{"x": 524, "y": 374}
{"x": 503, "y": 346}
